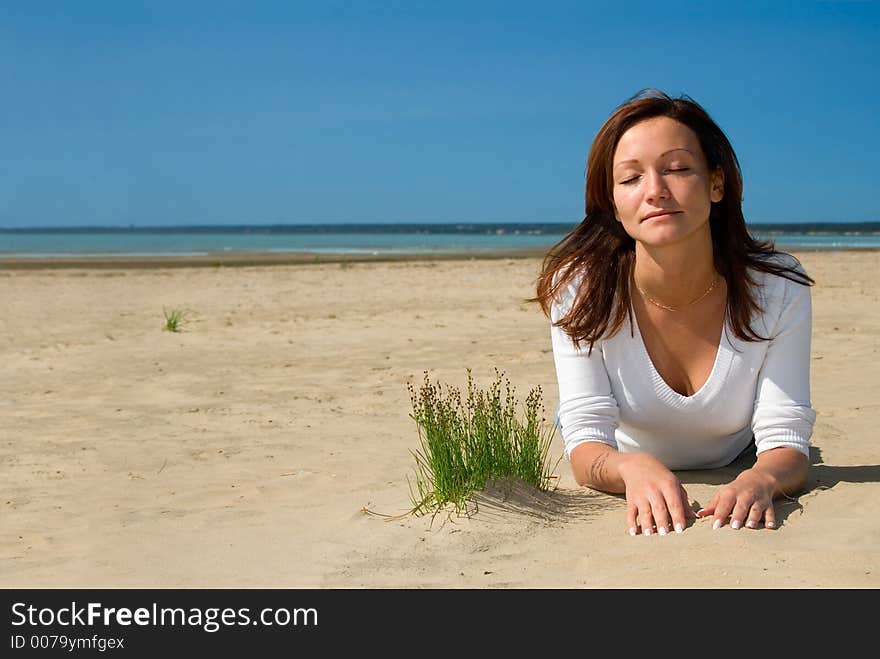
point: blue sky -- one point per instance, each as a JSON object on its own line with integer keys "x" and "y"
{"x": 160, "y": 113}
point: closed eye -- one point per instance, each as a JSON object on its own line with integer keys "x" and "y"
{"x": 636, "y": 178}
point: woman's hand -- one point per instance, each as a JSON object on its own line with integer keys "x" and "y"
{"x": 748, "y": 501}
{"x": 654, "y": 496}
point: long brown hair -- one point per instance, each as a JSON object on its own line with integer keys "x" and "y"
{"x": 599, "y": 250}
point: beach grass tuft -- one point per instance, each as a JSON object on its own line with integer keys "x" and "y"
{"x": 175, "y": 319}
{"x": 466, "y": 445}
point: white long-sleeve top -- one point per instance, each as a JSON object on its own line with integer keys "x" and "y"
{"x": 755, "y": 389}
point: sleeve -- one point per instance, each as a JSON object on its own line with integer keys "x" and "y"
{"x": 783, "y": 414}
{"x": 588, "y": 411}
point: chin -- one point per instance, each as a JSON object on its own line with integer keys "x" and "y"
{"x": 667, "y": 234}
{"x": 662, "y": 238}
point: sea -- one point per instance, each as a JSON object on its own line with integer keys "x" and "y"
{"x": 375, "y": 239}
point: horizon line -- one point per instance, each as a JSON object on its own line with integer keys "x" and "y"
{"x": 835, "y": 224}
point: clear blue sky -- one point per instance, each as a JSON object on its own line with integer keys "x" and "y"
{"x": 222, "y": 112}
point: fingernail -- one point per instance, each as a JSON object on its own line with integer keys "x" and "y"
{"x": 661, "y": 530}
{"x": 770, "y": 525}
{"x": 679, "y": 528}
{"x": 632, "y": 531}
{"x": 716, "y": 525}
{"x": 735, "y": 524}
{"x": 647, "y": 531}
{"x": 701, "y": 511}
{"x": 751, "y": 524}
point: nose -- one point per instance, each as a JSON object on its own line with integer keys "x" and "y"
{"x": 655, "y": 185}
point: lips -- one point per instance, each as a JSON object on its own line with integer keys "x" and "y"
{"x": 658, "y": 213}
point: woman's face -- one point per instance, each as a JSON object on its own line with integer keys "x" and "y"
{"x": 662, "y": 187}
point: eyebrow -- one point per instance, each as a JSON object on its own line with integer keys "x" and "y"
{"x": 680, "y": 148}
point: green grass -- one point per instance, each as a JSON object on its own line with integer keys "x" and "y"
{"x": 469, "y": 444}
{"x": 176, "y": 319}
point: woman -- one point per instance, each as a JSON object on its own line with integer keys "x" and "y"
{"x": 679, "y": 341}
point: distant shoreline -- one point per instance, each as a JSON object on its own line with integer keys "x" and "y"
{"x": 291, "y": 244}
{"x": 539, "y": 228}
{"x": 250, "y": 259}
{"x": 246, "y": 259}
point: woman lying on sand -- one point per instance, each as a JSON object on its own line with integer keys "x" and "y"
{"x": 680, "y": 342}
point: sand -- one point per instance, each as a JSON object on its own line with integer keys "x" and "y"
{"x": 243, "y": 451}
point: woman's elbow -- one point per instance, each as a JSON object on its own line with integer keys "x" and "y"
{"x": 580, "y": 475}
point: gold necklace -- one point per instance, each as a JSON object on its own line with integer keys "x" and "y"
{"x": 667, "y": 307}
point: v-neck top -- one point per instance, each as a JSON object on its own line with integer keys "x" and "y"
{"x": 756, "y": 389}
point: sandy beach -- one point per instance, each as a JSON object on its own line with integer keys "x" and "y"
{"x": 243, "y": 451}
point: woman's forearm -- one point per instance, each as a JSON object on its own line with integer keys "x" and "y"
{"x": 788, "y": 469}
{"x": 596, "y": 465}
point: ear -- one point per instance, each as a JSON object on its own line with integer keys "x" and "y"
{"x": 717, "y": 185}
